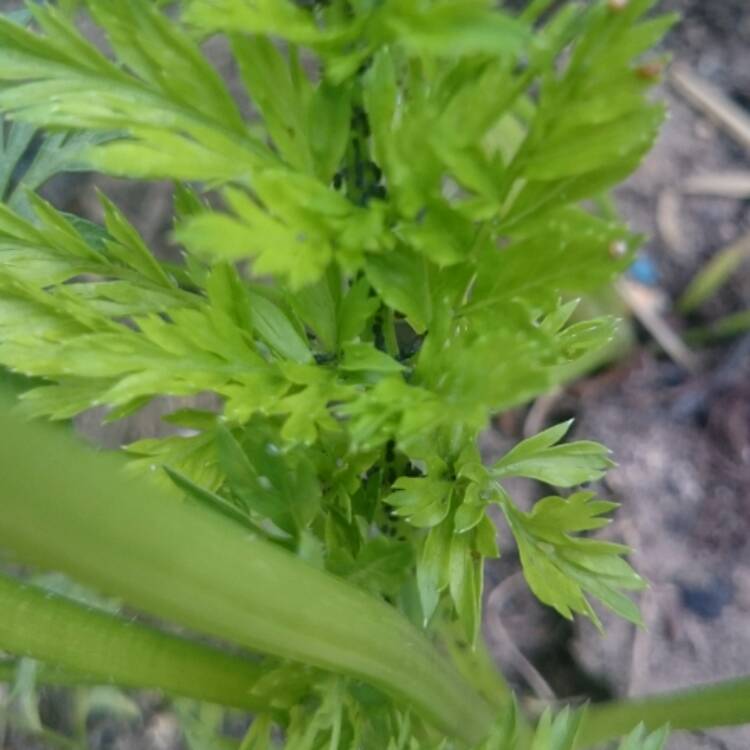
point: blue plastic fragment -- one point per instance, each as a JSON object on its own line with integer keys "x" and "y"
{"x": 644, "y": 271}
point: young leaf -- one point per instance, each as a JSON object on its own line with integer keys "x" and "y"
{"x": 277, "y": 330}
{"x": 29, "y": 158}
{"x": 541, "y": 458}
{"x": 465, "y": 584}
{"x": 433, "y": 568}
{"x": 640, "y": 739}
{"x": 424, "y": 502}
{"x": 381, "y": 566}
{"x": 162, "y": 121}
{"x": 402, "y": 279}
{"x": 281, "y": 487}
{"x": 560, "y": 568}
{"x": 358, "y": 305}
{"x": 470, "y": 512}
{"x": 330, "y": 103}
{"x": 358, "y": 356}
{"x": 194, "y": 457}
{"x": 281, "y": 96}
{"x": 316, "y": 306}
{"x": 456, "y": 27}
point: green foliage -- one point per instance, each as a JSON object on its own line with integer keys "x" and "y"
{"x": 714, "y": 275}
{"x": 560, "y": 568}
{"x": 383, "y": 253}
{"x": 542, "y": 458}
{"x": 28, "y": 159}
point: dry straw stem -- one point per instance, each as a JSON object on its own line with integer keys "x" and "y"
{"x": 713, "y": 102}
{"x": 720, "y": 184}
{"x": 644, "y": 306}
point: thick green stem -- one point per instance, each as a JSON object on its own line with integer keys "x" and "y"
{"x": 68, "y": 509}
{"x": 477, "y": 666}
{"x": 718, "y": 705}
{"x": 109, "y": 649}
{"x": 47, "y": 674}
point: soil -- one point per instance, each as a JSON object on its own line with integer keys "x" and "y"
{"x": 681, "y": 438}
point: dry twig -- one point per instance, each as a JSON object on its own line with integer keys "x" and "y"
{"x": 713, "y": 102}
{"x": 719, "y": 184}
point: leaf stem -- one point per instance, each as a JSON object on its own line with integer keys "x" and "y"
{"x": 68, "y": 509}
{"x": 716, "y": 705}
{"x": 103, "y": 648}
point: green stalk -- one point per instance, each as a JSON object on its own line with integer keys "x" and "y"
{"x": 7, "y": 670}
{"x": 106, "y": 648}
{"x": 718, "y": 705}
{"x": 726, "y": 327}
{"x": 47, "y": 674}
{"x": 715, "y": 274}
{"x": 389, "y": 333}
{"x": 68, "y": 509}
{"x": 477, "y": 667}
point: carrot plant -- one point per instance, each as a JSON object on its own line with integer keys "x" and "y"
{"x": 384, "y": 233}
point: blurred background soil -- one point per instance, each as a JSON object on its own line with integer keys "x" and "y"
{"x": 678, "y": 423}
